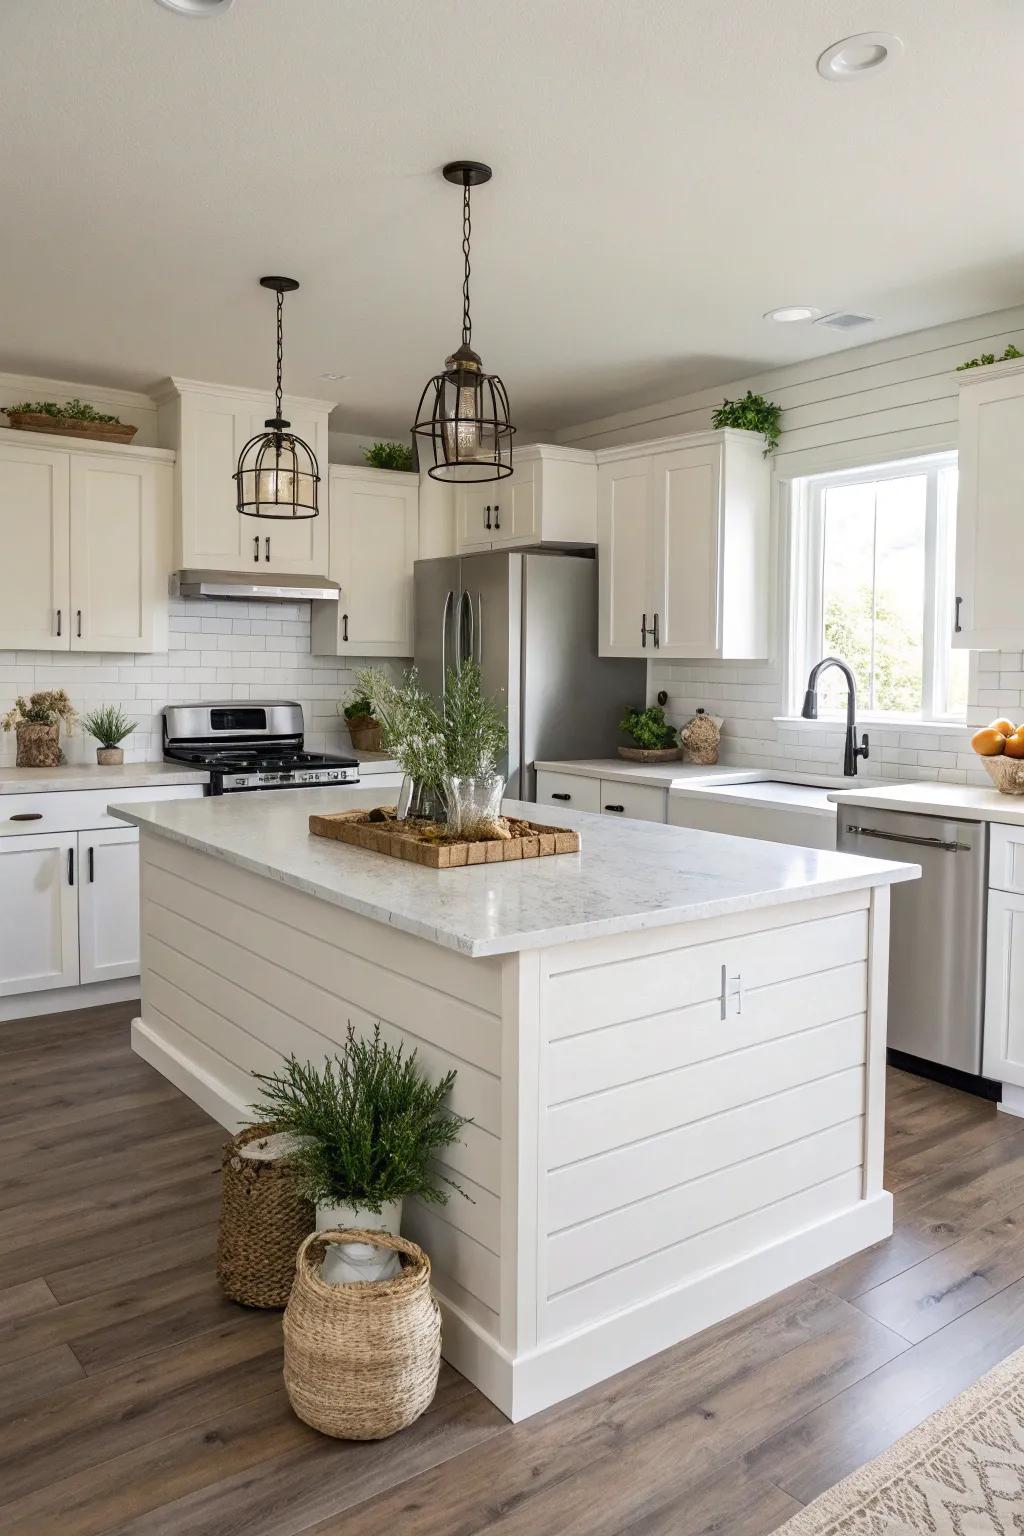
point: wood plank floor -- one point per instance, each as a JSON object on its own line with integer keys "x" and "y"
{"x": 135, "y": 1400}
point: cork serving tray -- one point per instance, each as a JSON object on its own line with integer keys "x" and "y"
{"x": 406, "y": 840}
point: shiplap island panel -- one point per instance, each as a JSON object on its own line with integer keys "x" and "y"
{"x": 671, "y": 1046}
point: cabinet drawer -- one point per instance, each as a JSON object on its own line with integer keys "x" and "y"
{"x": 1006, "y": 858}
{"x": 571, "y": 790}
{"x": 644, "y": 802}
{"x": 74, "y": 810}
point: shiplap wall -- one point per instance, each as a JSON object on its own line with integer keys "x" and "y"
{"x": 866, "y": 404}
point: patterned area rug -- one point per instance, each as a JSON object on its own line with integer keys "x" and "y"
{"x": 960, "y": 1473}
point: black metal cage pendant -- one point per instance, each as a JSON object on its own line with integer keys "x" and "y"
{"x": 464, "y": 411}
{"x": 278, "y": 475}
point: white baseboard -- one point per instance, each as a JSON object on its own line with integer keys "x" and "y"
{"x": 29, "y": 1005}
{"x": 1012, "y": 1102}
{"x": 201, "y": 1087}
{"x": 562, "y": 1367}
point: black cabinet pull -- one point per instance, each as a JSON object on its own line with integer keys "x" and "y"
{"x": 657, "y": 637}
{"x": 78, "y": 621}
{"x": 92, "y": 864}
{"x": 344, "y": 627}
{"x": 58, "y": 621}
{"x": 256, "y": 549}
{"x": 71, "y": 866}
{"x": 487, "y": 511}
{"x": 615, "y": 807}
{"x": 643, "y": 630}
{"x": 956, "y": 618}
{"x": 497, "y": 518}
{"x": 555, "y": 796}
{"x": 266, "y": 544}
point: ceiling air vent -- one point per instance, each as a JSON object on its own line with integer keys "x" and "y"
{"x": 845, "y": 320}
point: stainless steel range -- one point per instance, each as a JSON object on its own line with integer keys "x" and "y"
{"x": 250, "y": 746}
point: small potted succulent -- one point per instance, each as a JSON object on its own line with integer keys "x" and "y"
{"x": 110, "y": 726}
{"x": 652, "y": 739}
{"x": 36, "y": 722}
{"x": 367, "y": 1127}
{"x": 363, "y": 725}
{"x": 72, "y": 419}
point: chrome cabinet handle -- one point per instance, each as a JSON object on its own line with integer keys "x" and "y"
{"x": 450, "y": 598}
{"x": 79, "y": 623}
{"x": 58, "y": 621}
{"x": 266, "y": 543}
{"x": 556, "y": 795}
{"x": 71, "y": 866}
{"x": 736, "y": 982}
{"x": 957, "y": 630}
{"x": 344, "y": 627}
{"x": 256, "y": 548}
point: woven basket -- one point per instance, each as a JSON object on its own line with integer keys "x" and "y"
{"x": 361, "y": 1361}
{"x": 650, "y": 754}
{"x": 1006, "y": 773}
{"x": 65, "y": 426}
{"x": 263, "y": 1219}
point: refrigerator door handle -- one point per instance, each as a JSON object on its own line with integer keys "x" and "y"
{"x": 444, "y": 641}
{"x": 467, "y": 649}
{"x": 480, "y": 630}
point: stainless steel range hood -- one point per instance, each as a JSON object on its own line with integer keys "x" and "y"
{"x": 254, "y": 586}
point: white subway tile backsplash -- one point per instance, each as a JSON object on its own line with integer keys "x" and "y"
{"x": 228, "y": 650}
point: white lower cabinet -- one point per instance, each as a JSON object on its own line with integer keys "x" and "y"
{"x": 641, "y": 802}
{"x": 1003, "y": 1056}
{"x": 38, "y": 912}
{"x": 607, "y": 797}
{"x": 108, "y": 904}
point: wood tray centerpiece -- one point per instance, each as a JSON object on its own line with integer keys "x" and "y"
{"x": 433, "y": 845}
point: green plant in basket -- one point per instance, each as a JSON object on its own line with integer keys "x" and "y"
{"x": 110, "y": 725}
{"x": 359, "y": 706}
{"x": 71, "y": 410}
{"x": 648, "y": 728}
{"x": 371, "y": 1122}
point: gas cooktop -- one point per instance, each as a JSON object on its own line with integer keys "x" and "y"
{"x": 250, "y": 746}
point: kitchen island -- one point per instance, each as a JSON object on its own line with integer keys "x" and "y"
{"x": 671, "y": 1046}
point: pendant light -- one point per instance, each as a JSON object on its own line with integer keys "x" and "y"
{"x": 464, "y": 411}
{"x": 277, "y": 474}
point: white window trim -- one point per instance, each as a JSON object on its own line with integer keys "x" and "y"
{"x": 803, "y": 551}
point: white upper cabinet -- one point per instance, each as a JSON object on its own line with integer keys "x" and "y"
{"x": 374, "y": 539}
{"x": 35, "y": 573}
{"x": 989, "y": 548}
{"x": 86, "y": 536}
{"x": 550, "y": 498}
{"x": 683, "y": 545}
{"x": 209, "y": 426}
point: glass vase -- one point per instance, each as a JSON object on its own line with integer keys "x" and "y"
{"x": 419, "y": 800}
{"x": 474, "y": 805}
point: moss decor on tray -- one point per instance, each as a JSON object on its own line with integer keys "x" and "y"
{"x": 75, "y": 418}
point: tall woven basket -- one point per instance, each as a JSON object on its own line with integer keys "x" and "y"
{"x": 361, "y": 1361}
{"x": 263, "y": 1219}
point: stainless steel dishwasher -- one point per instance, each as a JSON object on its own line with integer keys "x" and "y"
{"x": 937, "y": 931}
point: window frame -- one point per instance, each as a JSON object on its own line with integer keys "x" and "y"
{"x": 806, "y": 553}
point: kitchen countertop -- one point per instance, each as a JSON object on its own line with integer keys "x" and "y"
{"x": 629, "y": 875}
{"x": 660, "y": 775}
{"x": 969, "y": 802}
{"x": 766, "y": 794}
{"x": 20, "y": 781}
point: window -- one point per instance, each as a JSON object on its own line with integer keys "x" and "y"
{"x": 873, "y": 574}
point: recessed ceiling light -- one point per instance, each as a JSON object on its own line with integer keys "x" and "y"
{"x": 197, "y": 7}
{"x": 335, "y": 378}
{"x": 864, "y": 54}
{"x": 792, "y": 312}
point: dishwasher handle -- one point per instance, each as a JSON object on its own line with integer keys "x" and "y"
{"x": 909, "y": 837}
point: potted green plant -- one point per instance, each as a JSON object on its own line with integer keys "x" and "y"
{"x": 72, "y": 419}
{"x": 751, "y": 414}
{"x": 110, "y": 726}
{"x": 369, "y": 1125}
{"x": 390, "y": 456}
{"x": 363, "y": 725}
{"x": 36, "y": 722}
{"x": 654, "y": 740}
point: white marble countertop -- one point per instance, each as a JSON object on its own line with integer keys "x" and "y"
{"x": 629, "y": 875}
{"x": 970, "y": 802}
{"x": 21, "y": 781}
{"x": 769, "y": 794}
{"x": 661, "y": 775}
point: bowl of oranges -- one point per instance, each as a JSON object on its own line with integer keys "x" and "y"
{"x": 1001, "y": 748}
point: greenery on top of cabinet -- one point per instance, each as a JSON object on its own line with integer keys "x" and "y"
{"x": 989, "y": 357}
{"x": 72, "y": 410}
{"x": 390, "y": 456}
{"x": 751, "y": 414}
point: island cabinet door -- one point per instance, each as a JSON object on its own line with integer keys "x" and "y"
{"x": 108, "y": 904}
{"x": 1003, "y": 1055}
{"x": 38, "y": 912}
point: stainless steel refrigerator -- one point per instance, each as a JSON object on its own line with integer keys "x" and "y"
{"x": 530, "y": 621}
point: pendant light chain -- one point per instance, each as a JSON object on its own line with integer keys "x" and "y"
{"x": 278, "y": 396}
{"x": 467, "y": 230}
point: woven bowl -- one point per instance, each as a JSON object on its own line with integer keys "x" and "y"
{"x": 361, "y": 1361}
{"x": 1006, "y": 773}
{"x": 263, "y": 1219}
{"x": 650, "y": 754}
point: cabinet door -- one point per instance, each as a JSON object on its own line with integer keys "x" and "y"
{"x": 38, "y": 912}
{"x": 108, "y": 904}
{"x": 35, "y": 569}
{"x": 684, "y": 557}
{"x": 624, "y": 518}
{"x": 989, "y": 554}
{"x": 474, "y": 516}
{"x": 515, "y": 509}
{"x": 298, "y": 545}
{"x": 374, "y": 544}
{"x": 1003, "y": 1051}
{"x": 120, "y": 554}
{"x": 212, "y": 536}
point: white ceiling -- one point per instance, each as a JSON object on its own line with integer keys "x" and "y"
{"x": 665, "y": 171}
